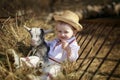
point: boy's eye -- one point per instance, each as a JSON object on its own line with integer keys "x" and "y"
{"x": 66, "y": 31}
{"x": 59, "y": 31}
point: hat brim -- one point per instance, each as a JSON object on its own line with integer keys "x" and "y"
{"x": 77, "y": 26}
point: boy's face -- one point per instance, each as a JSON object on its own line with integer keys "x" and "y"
{"x": 64, "y": 31}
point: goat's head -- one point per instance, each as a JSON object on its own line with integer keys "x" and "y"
{"x": 37, "y": 35}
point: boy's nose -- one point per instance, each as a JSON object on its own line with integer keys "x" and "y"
{"x": 62, "y": 34}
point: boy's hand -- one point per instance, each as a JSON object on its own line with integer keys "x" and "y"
{"x": 64, "y": 44}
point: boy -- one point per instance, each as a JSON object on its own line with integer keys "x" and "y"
{"x": 65, "y": 45}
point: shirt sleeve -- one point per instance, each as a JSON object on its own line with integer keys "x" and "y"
{"x": 74, "y": 52}
{"x": 50, "y": 43}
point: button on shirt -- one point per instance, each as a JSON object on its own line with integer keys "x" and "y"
{"x": 58, "y": 54}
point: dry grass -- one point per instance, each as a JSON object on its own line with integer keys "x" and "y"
{"x": 16, "y": 38}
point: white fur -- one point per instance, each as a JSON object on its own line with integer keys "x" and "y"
{"x": 35, "y": 39}
{"x": 31, "y": 61}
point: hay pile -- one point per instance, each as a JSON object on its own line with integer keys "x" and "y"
{"x": 14, "y": 37}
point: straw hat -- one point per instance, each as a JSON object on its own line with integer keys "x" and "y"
{"x": 70, "y": 18}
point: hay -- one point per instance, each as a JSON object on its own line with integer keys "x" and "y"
{"x": 16, "y": 38}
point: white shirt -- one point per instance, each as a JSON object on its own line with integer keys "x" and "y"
{"x": 58, "y": 54}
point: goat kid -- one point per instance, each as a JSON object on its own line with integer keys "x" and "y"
{"x": 40, "y": 49}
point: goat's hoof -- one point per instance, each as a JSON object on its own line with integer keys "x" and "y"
{"x": 10, "y": 53}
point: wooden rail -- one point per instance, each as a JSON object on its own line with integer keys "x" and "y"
{"x": 99, "y": 56}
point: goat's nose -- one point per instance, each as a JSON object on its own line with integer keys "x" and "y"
{"x": 33, "y": 41}
{"x": 40, "y": 65}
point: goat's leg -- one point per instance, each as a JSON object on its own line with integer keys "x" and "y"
{"x": 51, "y": 71}
{"x": 31, "y": 61}
{"x": 15, "y": 56}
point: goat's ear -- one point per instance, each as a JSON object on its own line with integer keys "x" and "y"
{"x": 42, "y": 31}
{"x": 27, "y": 28}
{"x": 48, "y": 31}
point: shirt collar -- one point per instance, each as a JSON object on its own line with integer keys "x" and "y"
{"x": 69, "y": 40}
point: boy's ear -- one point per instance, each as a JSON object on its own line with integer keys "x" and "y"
{"x": 75, "y": 32}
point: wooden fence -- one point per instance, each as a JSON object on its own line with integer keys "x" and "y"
{"x": 99, "y": 56}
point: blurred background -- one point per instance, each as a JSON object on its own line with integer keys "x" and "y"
{"x": 30, "y": 8}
